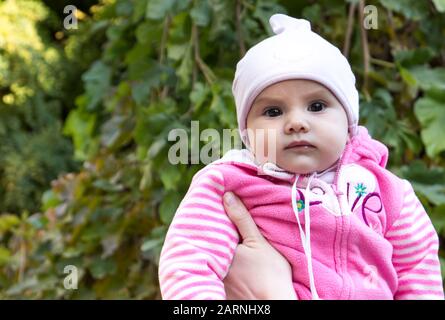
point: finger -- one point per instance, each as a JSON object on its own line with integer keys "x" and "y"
{"x": 239, "y": 215}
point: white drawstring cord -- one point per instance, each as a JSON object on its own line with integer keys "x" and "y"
{"x": 305, "y": 236}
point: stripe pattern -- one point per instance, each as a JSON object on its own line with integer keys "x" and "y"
{"x": 415, "y": 251}
{"x": 200, "y": 243}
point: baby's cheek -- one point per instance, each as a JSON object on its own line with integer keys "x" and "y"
{"x": 264, "y": 144}
{"x": 335, "y": 143}
{"x": 260, "y": 149}
{"x": 330, "y": 153}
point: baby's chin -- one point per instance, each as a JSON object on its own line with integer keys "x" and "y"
{"x": 300, "y": 168}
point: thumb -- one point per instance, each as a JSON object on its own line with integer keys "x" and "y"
{"x": 239, "y": 215}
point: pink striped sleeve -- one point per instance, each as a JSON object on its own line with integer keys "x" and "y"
{"x": 200, "y": 243}
{"x": 415, "y": 256}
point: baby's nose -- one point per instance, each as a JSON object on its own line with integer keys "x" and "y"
{"x": 297, "y": 124}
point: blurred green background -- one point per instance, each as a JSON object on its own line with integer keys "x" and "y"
{"x": 85, "y": 114}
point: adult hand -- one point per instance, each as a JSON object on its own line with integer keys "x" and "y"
{"x": 258, "y": 271}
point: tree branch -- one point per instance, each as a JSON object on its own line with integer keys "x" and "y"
{"x": 167, "y": 23}
{"x": 239, "y": 30}
{"x": 349, "y": 28}
{"x": 206, "y": 71}
{"x": 365, "y": 50}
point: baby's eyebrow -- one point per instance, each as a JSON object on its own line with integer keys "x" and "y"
{"x": 317, "y": 92}
{"x": 268, "y": 100}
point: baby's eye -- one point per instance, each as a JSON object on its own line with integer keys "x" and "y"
{"x": 317, "y": 106}
{"x": 272, "y": 112}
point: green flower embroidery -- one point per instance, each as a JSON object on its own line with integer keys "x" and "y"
{"x": 300, "y": 205}
{"x": 360, "y": 189}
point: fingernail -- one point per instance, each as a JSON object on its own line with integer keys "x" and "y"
{"x": 229, "y": 199}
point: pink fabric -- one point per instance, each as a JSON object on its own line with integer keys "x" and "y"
{"x": 371, "y": 239}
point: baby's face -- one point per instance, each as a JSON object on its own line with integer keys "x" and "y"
{"x": 300, "y": 111}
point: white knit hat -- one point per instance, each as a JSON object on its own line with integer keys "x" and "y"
{"x": 294, "y": 52}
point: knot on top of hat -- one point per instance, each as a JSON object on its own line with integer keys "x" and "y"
{"x": 281, "y": 22}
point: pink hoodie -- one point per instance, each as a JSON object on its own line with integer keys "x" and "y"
{"x": 361, "y": 235}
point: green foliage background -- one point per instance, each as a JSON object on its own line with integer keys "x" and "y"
{"x": 85, "y": 114}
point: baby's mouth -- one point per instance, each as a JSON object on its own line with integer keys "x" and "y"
{"x": 300, "y": 145}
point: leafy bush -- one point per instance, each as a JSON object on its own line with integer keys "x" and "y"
{"x": 149, "y": 66}
{"x": 32, "y": 77}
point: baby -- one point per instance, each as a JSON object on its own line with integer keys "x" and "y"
{"x": 314, "y": 182}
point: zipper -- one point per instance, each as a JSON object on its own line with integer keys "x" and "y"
{"x": 345, "y": 229}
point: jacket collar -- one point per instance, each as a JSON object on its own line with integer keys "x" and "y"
{"x": 359, "y": 148}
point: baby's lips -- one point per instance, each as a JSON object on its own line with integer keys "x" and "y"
{"x": 300, "y": 143}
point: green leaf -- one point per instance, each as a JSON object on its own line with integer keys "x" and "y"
{"x": 436, "y": 94}
{"x": 168, "y": 206}
{"x": 139, "y": 10}
{"x": 418, "y": 171}
{"x": 151, "y": 78}
{"x": 97, "y": 82}
{"x": 201, "y": 13}
{"x": 221, "y": 106}
{"x": 156, "y": 147}
{"x": 38, "y": 221}
{"x": 5, "y": 256}
{"x": 199, "y": 95}
{"x": 428, "y": 181}
{"x": 434, "y": 193}
{"x": 152, "y": 121}
{"x": 147, "y": 32}
{"x": 50, "y": 199}
{"x": 8, "y": 221}
{"x": 80, "y": 125}
{"x": 107, "y": 186}
{"x": 177, "y": 51}
{"x": 151, "y": 244}
{"x": 264, "y": 10}
{"x": 109, "y": 245}
{"x": 124, "y": 8}
{"x": 428, "y": 78}
{"x": 438, "y": 218}
{"x": 312, "y": 12}
{"x": 140, "y": 52}
{"x": 94, "y": 232}
{"x": 72, "y": 252}
{"x": 116, "y": 131}
{"x": 100, "y": 268}
{"x": 20, "y": 287}
{"x": 440, "y": 5}
{"x": 414, "y": 57}
{"x": 408, "y": 77}
{"x": 411, "y": 9}
{"x": 431, "y": 114}
{"x": 184, "y": 72}
{"x": 157, "y": 9}
{"x": 170, "y": 176}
